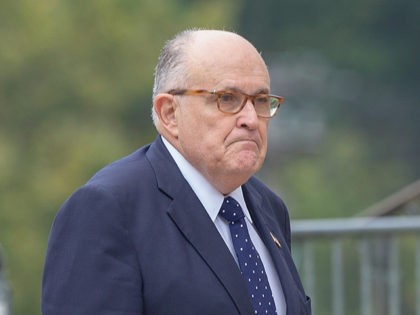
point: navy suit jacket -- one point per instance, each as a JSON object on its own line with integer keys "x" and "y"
{"x": 135, "y": 240}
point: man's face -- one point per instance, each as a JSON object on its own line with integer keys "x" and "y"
{"x": 227, "y": 149}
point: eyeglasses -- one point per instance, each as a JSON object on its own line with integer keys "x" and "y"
{"x": 232, "y": 102}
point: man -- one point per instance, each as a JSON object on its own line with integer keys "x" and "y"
{"x": 145, "y": 235}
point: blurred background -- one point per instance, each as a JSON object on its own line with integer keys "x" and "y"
{"x": 75, "y": 94}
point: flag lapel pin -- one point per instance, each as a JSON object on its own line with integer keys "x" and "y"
{"x": 276, "y": 241}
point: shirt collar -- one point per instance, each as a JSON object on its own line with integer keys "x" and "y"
{"x": 208, "y": 195}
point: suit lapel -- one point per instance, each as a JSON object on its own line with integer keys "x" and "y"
{"x": 194, "y": 223}
{"x": 272, "y": 236}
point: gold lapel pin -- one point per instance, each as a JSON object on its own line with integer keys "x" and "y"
{"x": 276, "y": 241}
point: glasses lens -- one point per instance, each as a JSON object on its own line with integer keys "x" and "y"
{"x": 262, "y": 104}
{"x": 265, "y": 105}
{"x": 230, "y": 102}
{"x": 274, "y": 105}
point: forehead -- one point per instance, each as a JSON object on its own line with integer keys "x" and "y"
{"x": 225, "y": 59}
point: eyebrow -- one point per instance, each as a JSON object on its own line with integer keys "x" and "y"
{"x": 235, "y": 89}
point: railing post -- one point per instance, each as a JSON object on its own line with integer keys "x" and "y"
{"x": 394, "y": 277}
{"x": 417, "y": 264}
{"x": 365, "y": 278}
{"x": 381, "y": 268}
{"x": 337, "y": 277}
{"x": 309, "y": 272}
{"x": 4, "y": 290}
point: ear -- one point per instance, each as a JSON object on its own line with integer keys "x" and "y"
{"x": 165, "y": 107}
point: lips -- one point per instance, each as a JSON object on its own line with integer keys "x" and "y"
{"x": 246, "y": 141}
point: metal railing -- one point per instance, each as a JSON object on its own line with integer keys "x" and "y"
{"x": 362, "y": 266}
{"x": 4, "y": 289}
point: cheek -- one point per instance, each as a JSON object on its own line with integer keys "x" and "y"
{"x": 263, "y": 130}
{"x": 197, "y": 135}
{"x": 204, "y": 129}
{"x": 187, "y": 124}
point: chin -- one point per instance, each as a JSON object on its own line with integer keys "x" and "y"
{"x": 249, "y": 159}
{"x": 246, "y": 167}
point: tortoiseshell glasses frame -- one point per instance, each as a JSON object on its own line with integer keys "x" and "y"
{"x": 232, "y": 102}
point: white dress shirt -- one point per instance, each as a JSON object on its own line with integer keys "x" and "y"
{"x": 212, "y": 200}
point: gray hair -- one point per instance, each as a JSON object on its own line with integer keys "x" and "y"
{"x": 172, "y": 65}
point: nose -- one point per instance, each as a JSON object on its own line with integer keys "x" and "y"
{"x": 248, "y": 117}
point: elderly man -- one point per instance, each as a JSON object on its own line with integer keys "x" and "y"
{"x": 181, "y": 226}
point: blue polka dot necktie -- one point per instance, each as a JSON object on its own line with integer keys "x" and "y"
{"x": 249, "y": 261}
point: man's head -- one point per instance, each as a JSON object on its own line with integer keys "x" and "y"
{"x": 227, "y": 148}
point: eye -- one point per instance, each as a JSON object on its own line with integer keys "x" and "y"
{"x": 262, "y": 99}
{"x": 228, "y": 98}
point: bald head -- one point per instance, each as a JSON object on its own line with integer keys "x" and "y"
{"x": 188, "y": 57}
{"x": 214, "y": 48}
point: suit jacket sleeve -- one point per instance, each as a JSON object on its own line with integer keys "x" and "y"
{"x": 91, "y": 267}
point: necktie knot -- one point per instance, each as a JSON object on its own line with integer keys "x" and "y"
{"x": 231, "y": 210}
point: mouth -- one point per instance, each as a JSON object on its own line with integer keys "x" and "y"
{"x": 246, "y": 143}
